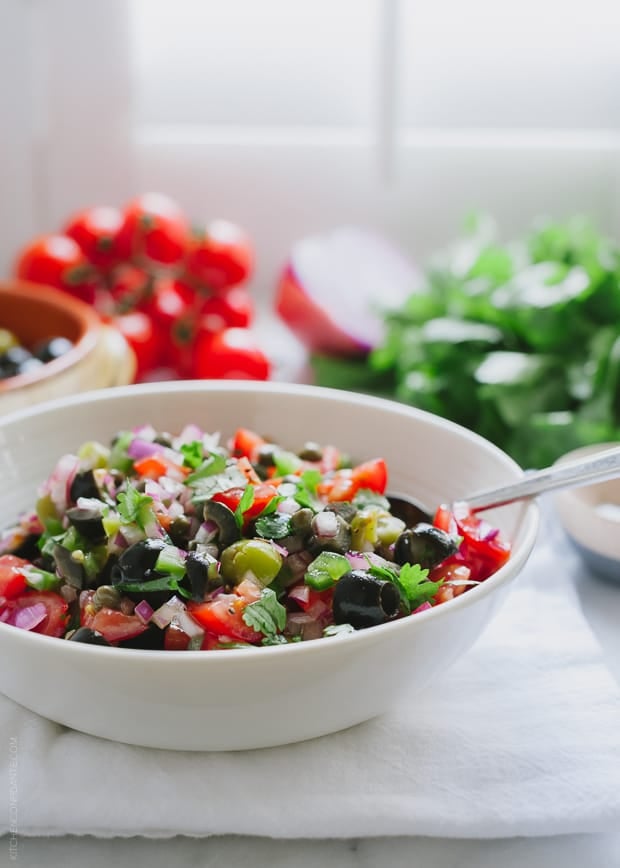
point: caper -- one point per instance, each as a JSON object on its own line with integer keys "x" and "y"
{"x": 301, "y": 521}
{"x": 106, "y": 597}
{"x": 257, "y": 557}
{"x": 311, "y": 452}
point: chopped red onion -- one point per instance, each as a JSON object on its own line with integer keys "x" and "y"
{"x": 144, "y": 611}
{"x": 300, "y": 593}
{"x": 164, "y": 615}
{"x": 422, "y": 608}
{"x": 491, "y": 534}
{"x": 140, "y": 448}
{"x": 28, "y": 617}
{"x": 325, "y": 524}
{"x": 288, "y": 506}
{"x": 281, "y": 550}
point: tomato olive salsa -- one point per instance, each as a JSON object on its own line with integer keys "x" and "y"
{"x": 182, "y": 543}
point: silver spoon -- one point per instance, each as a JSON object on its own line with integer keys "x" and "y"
{"x": 600, "y": 467}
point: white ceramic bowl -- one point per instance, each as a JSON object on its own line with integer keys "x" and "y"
{"x": 591, "y": 518}
{"x": 251, "y": 698}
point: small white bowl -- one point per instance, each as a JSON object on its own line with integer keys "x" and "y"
{"x": 591, "y": 518}
{"x": 248, "y": 698}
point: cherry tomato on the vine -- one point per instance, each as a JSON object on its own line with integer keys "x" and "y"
{"x": 141, "y": 334}
{"x": 233, "y": 310}
{"x": 130, "y": 288}
{"x": 96, "y": 231}
{"x": 154, "y": 230}
{"x": 58, "y": 261}
{"x": 219, "y": 256}
{"x": 232, "y": 354}
{"x": 172, "y": 308}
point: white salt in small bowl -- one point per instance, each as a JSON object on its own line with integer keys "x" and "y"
{"x": 591, "y": 518}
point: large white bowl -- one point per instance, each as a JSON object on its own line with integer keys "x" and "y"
{"x": 228, "y": 700}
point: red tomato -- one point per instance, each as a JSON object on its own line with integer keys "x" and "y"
{"x": 172, "y": 307}
{"x": 246, "y": 442}
{"x": 483, "y": 550}
{"x": 233, "y": 310}
{"x": 58, "y": 261}
{"x": 263, "y": 494}
{"x": 220, "y": 256}
{"x": 154, "y": 230}
{"x": 345, "y": 484}
{"x": 96, "y": 231}
{"x": 223, "y": 616}
{"x": 55, "y": 622}
{"x": 116, "y": 626}
{"x": 140, "y": 333}
{"x": 12, "y": 581}
{"x": 175, "y": 639}
{"x": 130, "y": 287}
{"x": 229, "y": 355}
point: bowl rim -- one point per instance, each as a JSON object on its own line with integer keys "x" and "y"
{"x": 85, "y": 316}
{"x": 512, "y": 567}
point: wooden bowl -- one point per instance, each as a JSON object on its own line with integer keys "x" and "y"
{"x": 99, "y": 357}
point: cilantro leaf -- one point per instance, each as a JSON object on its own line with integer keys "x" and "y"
{"x": 366, "y": 497}
{"x": 247, "y": 499}
{"x": 211, "y": 466}
{"x": 215, "y": 474}
{"x": 273, "y": 526}
{"x": 134, "y": 507}
{"x": 338, "y": 630}
{"x": 412, "y": 582}
{"x": 266, "y": 615}
{"x": 306, "y": 494}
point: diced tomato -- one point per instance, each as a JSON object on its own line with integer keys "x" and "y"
{"x": 372, "y": 475}
{"x": 344, "y": 484}
{"x": 245, "y": 466}
{"x": 444, "y": 520}
{"x": 263, "y": 495}
{"x": 55, "y": 622}
{"x": 223, "y": 616}
{"x": 247, "y": 442}
{"x": 330, "y": 459}
{"x": 152, "y": 466}
{"x": 482, "y": 548}
{"x": 316, "y": 603}
{"x": 12, "y": 580}
{"x": 116, "y": 626}
{"x": 175, "y": 639}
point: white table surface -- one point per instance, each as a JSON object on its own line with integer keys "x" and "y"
{"x": 601, "y": 605}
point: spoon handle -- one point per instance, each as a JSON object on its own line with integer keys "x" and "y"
{"x": 598, "y": 468}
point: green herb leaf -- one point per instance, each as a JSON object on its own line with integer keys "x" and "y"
{"x": 275, "y": 526}
{"x": 338, "y": 630}
{"x": 119, "y": 459}
{"x": 211, "y": 466}
{"x": 306, "y": 494}
{"x": 134, "y": 507}
{"x": 366, "y": 497}
{"x": 415, "y": 589}
{"x": 267, "y": 615}
{"x": 247, "y": 499}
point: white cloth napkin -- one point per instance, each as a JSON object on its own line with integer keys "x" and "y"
{"x": 520, "y": 738}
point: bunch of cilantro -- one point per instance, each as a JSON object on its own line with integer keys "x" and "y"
{"x": 518, "y": 341}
